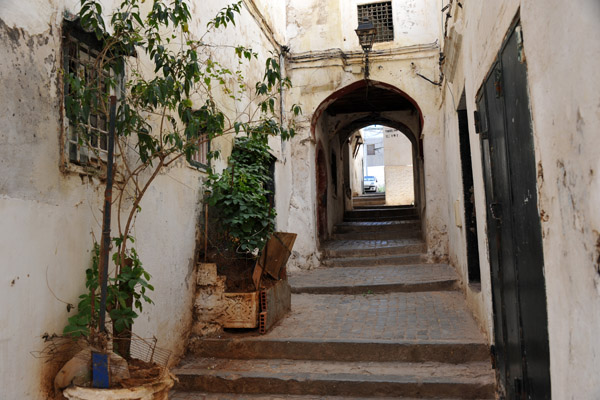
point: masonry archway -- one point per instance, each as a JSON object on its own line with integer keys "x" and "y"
{"x": 336, "y": 120}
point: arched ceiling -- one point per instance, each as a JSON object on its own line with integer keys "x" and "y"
{"x": 370, "y": 99}
{"x": 368, "y": 102}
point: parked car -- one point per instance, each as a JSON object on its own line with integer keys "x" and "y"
{"x": 370, "y": 184}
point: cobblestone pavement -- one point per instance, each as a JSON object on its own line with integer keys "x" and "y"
{"x": 382, "y": 275}
{"x": 426, "y": 316}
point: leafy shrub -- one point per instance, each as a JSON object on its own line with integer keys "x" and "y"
{"x": 241, "y": 196}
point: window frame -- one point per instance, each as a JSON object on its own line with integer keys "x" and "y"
{"x": 88, "y": 158}
{"x": 199, "y": 164}
{"x": 366, "y": 11}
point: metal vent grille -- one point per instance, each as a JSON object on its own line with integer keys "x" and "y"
{"x": 380, "y": 14}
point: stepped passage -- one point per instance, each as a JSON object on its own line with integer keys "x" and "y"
{"x": 375, "y": 321}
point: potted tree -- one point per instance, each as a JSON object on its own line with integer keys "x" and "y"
{"x": 163, "y": 112}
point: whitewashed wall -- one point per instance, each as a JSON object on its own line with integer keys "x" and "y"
{"x": 399, "y": 180}
{"x": 562, "y": 50}
{"x": 317, "y": 32}
{"x": 48, "y": 217}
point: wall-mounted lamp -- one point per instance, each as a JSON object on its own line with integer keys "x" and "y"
{"x": 366, "y": 32}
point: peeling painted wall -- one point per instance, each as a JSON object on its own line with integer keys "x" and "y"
{"x": 49, "y": 216}
{"x": 561, "y": 47}
{"x": 319, "y": 69}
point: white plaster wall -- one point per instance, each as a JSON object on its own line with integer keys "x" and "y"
{"x": 302, "y": 211}
{"x": 565, "y": 104}
{"x": 377, "y": 159}
{"x": 564, "y": 85}
{"x": 356, "y": 170}
{"x": 274, "y": 13}
{"x": 399, "y": 189}
{"x": 397, "y": 148}
{"x": 399, "y": 178}
{"x": 315, "y": 25}
{"x": 321, "y": 80}
{"x": 49, "y": 216}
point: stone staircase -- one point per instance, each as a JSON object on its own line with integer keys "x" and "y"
{"x": 371, "y": 199}
{"x": 375, "y": 321}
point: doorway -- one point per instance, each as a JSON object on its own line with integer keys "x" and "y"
{"x": 470, "y": 216}
{"x": 321, "y": 193}
{"x": 515, "y": 239}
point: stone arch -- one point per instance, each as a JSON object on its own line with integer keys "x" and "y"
{"x": 343, "y": 112}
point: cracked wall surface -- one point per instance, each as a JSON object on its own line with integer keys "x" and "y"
{"x": 50, "y": 215}
{"x": 565, "y": 109}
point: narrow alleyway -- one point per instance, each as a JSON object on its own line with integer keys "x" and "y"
{"x": 374, "y": 321}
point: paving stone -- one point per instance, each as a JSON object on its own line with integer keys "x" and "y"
{"x": 470, "y": 380}
{"x": 359, "y": 248}
{"x": 442, "y": 316}
{"x": 403, "y": 278}
{"x": 390, "y": 326}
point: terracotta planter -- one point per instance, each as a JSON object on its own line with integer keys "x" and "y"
{"x": 158, "y": 390}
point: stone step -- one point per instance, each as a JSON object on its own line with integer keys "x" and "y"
{"x": 383, "y": 207}
{"x": 408, "y": 278}
{"x": 351, "y": 350}
{"x": 195, "y": 395}
{"x": 390, "y": 260}
{"x": 473, "y": 380}
{"x": 381, "y": 212}
{"x": 372, "y": 248}
{"x": 369, "y": 200}
{"x": 378, "y": 226}
{"x": 382, "y": 235}
{"x": 370, "y": 218}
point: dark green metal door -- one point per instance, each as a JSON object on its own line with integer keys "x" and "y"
{"x": 515, "y": 241}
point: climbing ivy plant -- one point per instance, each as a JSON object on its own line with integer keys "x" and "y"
{"x": 169, "y": 105}
{"x": 240, "y": 192}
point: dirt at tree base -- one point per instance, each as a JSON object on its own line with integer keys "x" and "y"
{"x": 141, "y": 373}
{"x": 238, "y": 270}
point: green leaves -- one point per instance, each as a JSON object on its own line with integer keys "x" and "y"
{"x": 226, "y": 16}
{"x": 126, "y": 293}
{"x": 241, "y": 196}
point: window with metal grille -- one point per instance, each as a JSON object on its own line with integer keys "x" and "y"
{"x": 200, "y": 157}
{"x": 380, "y": 14}
{"x": 87, "y": 143}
